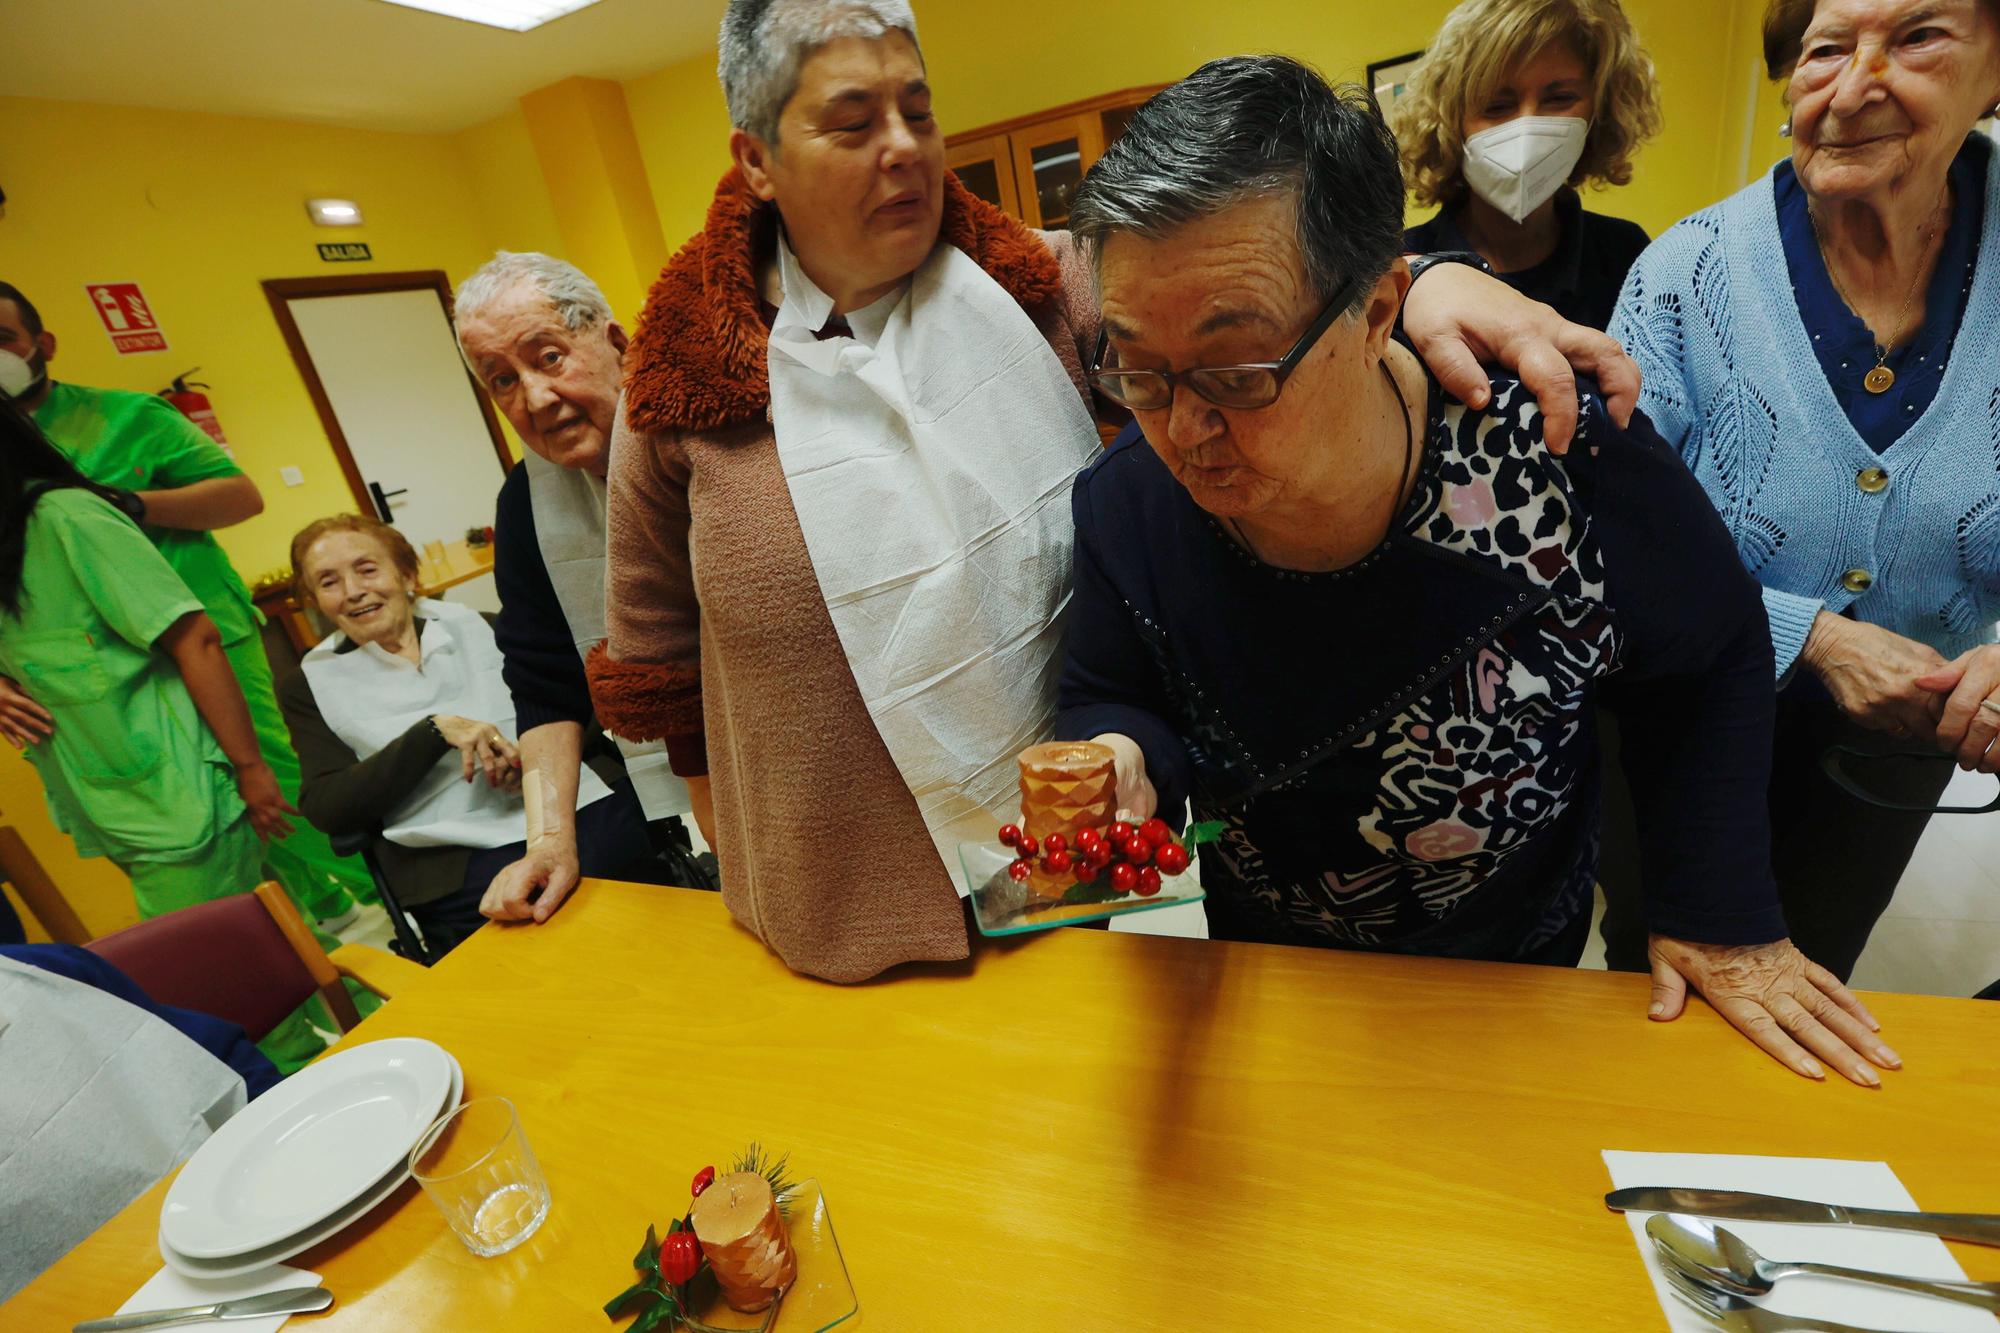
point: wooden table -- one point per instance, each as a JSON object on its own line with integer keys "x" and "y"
{"x": 461, "y": 563}
{"x": 1099, "y": 1131}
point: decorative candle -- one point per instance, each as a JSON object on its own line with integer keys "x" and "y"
{"x": 1066, "y": 787}
{"x": 736, "y": 1220}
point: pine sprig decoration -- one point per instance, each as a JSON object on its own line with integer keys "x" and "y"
{"x": 663, "y": 1309}
{"x": 758, "y": 1162}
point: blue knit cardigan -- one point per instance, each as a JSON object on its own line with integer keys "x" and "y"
{"x": 1730, "y": 379}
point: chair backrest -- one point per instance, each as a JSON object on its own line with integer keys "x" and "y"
{"x": 248, "y": 958}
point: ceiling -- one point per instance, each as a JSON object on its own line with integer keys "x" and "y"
{"x": 357, "y": 63}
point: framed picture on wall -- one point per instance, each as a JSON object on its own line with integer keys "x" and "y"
{"x": 1390, "y": 79}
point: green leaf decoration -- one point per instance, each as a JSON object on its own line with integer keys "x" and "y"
{"x": 1207, "y": 831}
{"x": 666, "y": 1313}
{"x": 647, "y": 1260}
{"x": 1100, "y": 892}
{"x": 673, "y": 1226}
{"x": 615, "y": 1307}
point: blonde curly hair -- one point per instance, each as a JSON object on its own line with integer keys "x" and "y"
{"x": 1480, "y": 43}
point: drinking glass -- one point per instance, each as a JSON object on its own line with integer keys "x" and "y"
{"x": 478, "y": 1169}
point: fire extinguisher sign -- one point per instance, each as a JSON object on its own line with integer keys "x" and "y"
{"x": 127, "y": 317}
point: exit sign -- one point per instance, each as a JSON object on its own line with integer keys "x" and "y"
{"x": 344, "y": 252}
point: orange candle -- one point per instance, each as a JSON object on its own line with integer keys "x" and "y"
{"x": 743, "y": 1236}
{"x": 1066, "y": 787}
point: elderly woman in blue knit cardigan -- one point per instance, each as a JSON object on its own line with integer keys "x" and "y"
{"x": 1822, "y": 348}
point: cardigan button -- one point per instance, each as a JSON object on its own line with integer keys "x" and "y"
{"x": 1872, "y": 480}
{"x": 1857, "y": 580}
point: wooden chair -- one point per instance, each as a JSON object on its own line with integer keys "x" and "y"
{"x": 19, "y": 867}
{"x": 249, "y": 958}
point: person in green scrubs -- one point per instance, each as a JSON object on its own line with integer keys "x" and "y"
{"x": 179, "y": 485}
{"x": 151, "y": 759}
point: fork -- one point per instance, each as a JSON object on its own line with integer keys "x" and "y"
{"x": 1735, "y": 1315}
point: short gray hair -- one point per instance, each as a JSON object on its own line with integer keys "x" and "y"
{"x": 764, "y": 43}
{"x": 1251, "y": 126}
{"x": 567, "y": 288}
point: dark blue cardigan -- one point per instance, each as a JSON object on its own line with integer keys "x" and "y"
{"x": 1403, "y": 751}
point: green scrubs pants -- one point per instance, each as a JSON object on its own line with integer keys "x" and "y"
{"x": 322, "y": 884}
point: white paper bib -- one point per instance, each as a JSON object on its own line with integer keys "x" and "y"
{"x": 570, "y": 530}
{"x": 369, "y": 698}
{"x": 930, "y": 458}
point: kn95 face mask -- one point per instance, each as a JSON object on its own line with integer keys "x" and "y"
{"x": 1517, "y": 166}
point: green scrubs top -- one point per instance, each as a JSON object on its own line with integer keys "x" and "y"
{"x": 140, "y": 442}
{"x": 132, "y": 771}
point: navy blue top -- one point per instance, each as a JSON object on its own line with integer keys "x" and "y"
{"x": 538, "y": 658}
{"x": 1845, "y": 347}
{"x": 219, "y": 1037}
{"x": 1403, "y": 751}
{"x": 1581, "y": 278}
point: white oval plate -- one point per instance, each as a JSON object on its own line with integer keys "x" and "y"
{"x": 306, "y": 1149}
{"x": 244, "y": 1264}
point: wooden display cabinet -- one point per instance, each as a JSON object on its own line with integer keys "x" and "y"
{"x": 1031, "y": 166}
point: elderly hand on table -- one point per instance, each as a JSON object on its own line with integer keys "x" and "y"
{"x": 534, "y": 886}
{"x": 1777, "y": 997}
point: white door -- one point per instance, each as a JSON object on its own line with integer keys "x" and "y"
{"x": 392, "y": 373}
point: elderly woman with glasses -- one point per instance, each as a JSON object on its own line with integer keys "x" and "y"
{"x": 1821, "y": 348}
{"x": 839, "y": 552}
{"x": 1363, "y": 625}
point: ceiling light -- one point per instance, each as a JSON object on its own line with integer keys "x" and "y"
{"x": 334, "y": 212}
{"x": 515, "y": 15}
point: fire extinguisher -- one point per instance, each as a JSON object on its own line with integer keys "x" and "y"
{"x": 196, "y": 407}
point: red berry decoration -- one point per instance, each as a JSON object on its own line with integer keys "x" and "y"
{"x": 1137, "y": 850}
{"x": 680, "y": 1257}
{"x": 1020, "y": 869}
{"x": 1149, "y": 882}
{"x": 702, "y": 1180}
{"x": 1055, "y": 842}
{"x": 1057, "y": 862}
{"x": 1172, "y": 859}
{"x": 1156, "y": 832}
{"x": 1010, "y": 836}
{"x": 1124, "y": 877}
{"x": 1088, "y": 838}
{"x": 1099, "y": 854}
{"x": 1027, "y": 846}
{"x": 1118, "y": 833}
{"x": 1086, "y": 873}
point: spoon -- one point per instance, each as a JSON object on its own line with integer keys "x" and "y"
{"x": 1718, "y": 1255}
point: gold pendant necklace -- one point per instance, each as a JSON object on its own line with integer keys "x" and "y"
{"x": 1880, "y": 379}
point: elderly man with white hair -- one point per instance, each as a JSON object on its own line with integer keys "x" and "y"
{"x": 541, "y": 340}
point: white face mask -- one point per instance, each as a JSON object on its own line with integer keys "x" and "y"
{"x": 20, "y": 377}
{"x": 1517, "y": 166}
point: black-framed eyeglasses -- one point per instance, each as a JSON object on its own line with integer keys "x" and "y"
{"x": 1251, "y": 385}
{"x": 1876, "y": 776}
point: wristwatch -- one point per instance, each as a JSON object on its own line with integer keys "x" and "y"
{"x": 129, "y": 503}
{"x": 1422, "y": 264}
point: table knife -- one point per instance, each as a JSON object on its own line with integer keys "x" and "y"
{"x": 297, "y": 1300}
{"x": 1977, "y": 1228}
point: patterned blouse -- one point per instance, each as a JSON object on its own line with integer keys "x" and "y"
{"x": 1403, "y": 751}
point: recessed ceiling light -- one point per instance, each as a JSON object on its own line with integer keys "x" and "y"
{"x": 334, "y": 212}
{"x": 514, "y": 15}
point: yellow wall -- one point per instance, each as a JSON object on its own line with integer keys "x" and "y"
{"x": 994, "y": 62}
{"x": 199, "y": 210}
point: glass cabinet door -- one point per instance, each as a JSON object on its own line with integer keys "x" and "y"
{"x": 986, "y": 167}
{"x": 1049, "y": 162}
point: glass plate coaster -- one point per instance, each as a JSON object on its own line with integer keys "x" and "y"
{"x": 820, "y": 1297}
{"x": 1003, "y": 906}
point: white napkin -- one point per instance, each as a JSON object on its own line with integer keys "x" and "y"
{"x": 1824, "y": 1180}
{"x": 170, "y": 1291}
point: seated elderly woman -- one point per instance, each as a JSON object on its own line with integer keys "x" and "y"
{"x": 402, "y": 722}
{"x": 1365, "y": 625}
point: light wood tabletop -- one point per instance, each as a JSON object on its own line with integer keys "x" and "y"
{"x": 1087, "y": 1130}
{"x": 462, "y": 562}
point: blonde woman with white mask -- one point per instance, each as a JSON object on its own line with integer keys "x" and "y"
{"x": 1516, "y": 104}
